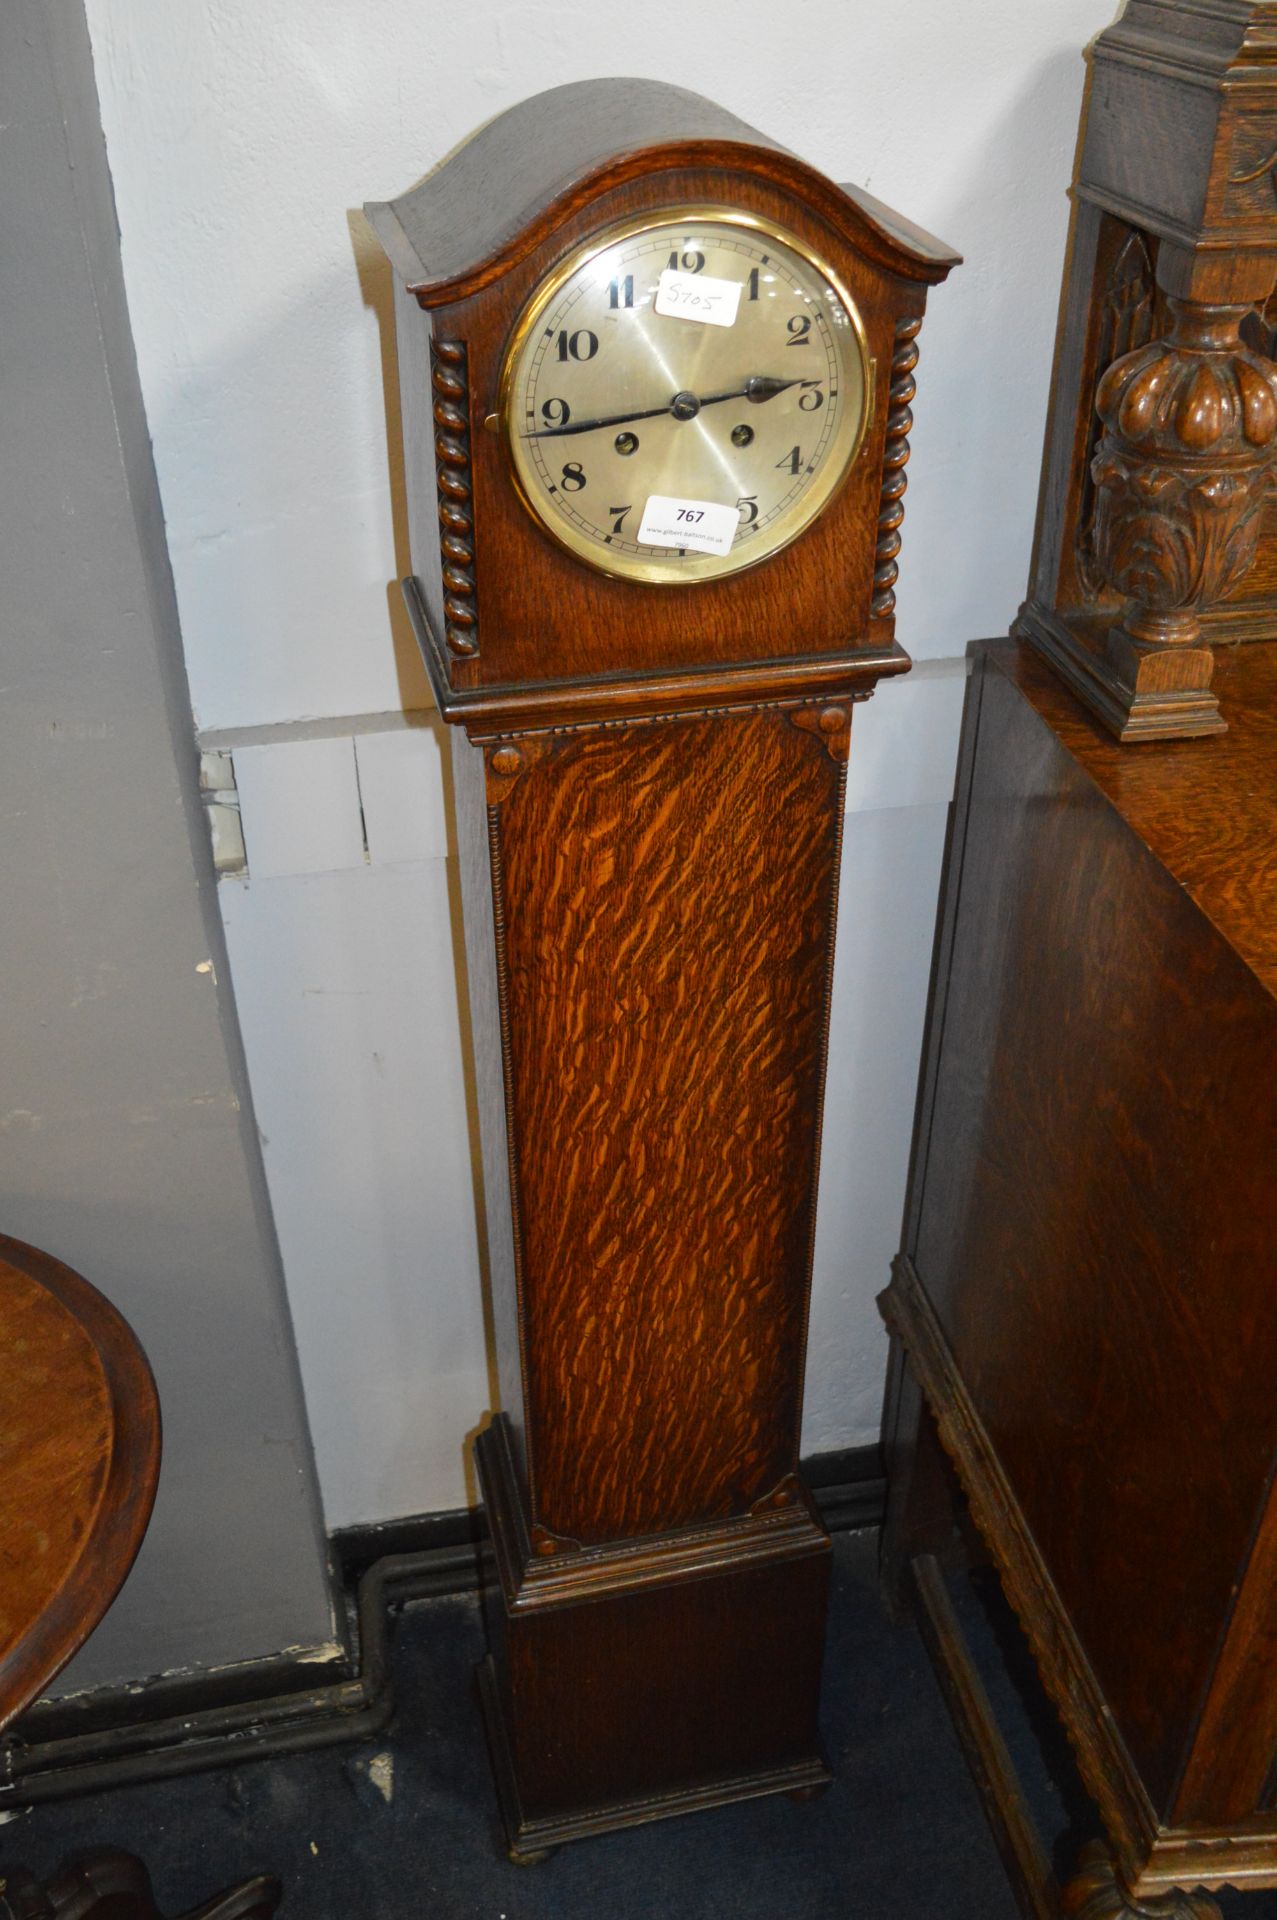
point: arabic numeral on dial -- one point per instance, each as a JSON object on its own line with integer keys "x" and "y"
{"x": 798, "y": 326}
{"x": 619, "y": 514}
{"x": 555, "y": 413}
{"x": 581, "y": 345}
{"x": 792, "y": 461}
{"x": 690, "y": 262}
{"x": 620, "y": 293}
{"x": 811, "y": 398}
{"x": 747, "y": 507}
{"x": 572, "y": 479}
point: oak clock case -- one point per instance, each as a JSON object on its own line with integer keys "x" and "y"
{"x": 649, "y": 752}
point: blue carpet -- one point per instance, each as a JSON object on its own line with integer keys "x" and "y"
{"x": 900, "y": 1836}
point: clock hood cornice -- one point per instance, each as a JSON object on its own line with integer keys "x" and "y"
{"x": 609, "y": 132}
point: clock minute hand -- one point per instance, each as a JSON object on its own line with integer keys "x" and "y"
{"x": 588, "y": 426}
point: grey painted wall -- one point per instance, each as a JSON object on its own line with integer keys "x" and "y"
{"x": 127, "y": 1143}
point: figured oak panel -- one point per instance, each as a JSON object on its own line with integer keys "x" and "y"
{"x": 668, "y": 892}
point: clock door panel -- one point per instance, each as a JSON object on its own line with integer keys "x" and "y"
{"x": 667, "y": 896}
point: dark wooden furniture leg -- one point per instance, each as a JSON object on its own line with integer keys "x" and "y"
{"x": 1096, "y": 1893}
{"x": 110, "y": 1885}
{"x": 924, "y": 1502}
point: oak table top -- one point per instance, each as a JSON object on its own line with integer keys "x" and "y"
{"x": 79, "y": 1461}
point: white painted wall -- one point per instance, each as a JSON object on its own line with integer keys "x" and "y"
{"x": 242, "y": 137}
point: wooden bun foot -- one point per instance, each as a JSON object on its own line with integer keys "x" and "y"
{"x": 110, "y": 1885}
{"x": 1096, "y": 1893}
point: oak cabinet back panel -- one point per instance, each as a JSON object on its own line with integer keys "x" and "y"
{"x": 1101, "y": 1048}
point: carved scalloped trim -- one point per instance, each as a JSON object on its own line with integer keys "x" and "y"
{"x": 506, "y": 761}
{"x": 830, "y": 722}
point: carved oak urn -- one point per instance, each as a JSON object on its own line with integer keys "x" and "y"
{"x": 1181, "y": 471}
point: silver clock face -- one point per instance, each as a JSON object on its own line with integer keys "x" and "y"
{"x": 684, "y": 395}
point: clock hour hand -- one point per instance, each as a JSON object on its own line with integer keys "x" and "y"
{"x": 763, "y": 386}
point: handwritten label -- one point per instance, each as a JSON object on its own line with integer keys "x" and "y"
{"x": 702, "y": 526}
{"x": 697, "y": 296}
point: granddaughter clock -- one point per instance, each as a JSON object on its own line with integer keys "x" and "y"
{"x": 655, "y": 375}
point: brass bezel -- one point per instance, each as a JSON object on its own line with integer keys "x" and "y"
{"x": 580, "y": 545}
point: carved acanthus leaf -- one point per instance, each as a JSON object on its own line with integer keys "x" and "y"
{"x": 1182, "y": 469}
{"x": 1126, "y": 322}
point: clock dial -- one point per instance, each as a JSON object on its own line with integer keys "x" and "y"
{"x": 684, "y": 395}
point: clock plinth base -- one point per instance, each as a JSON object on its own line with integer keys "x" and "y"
{"x": 650, "y": 1677}
{"x": 530, "y": 1842}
